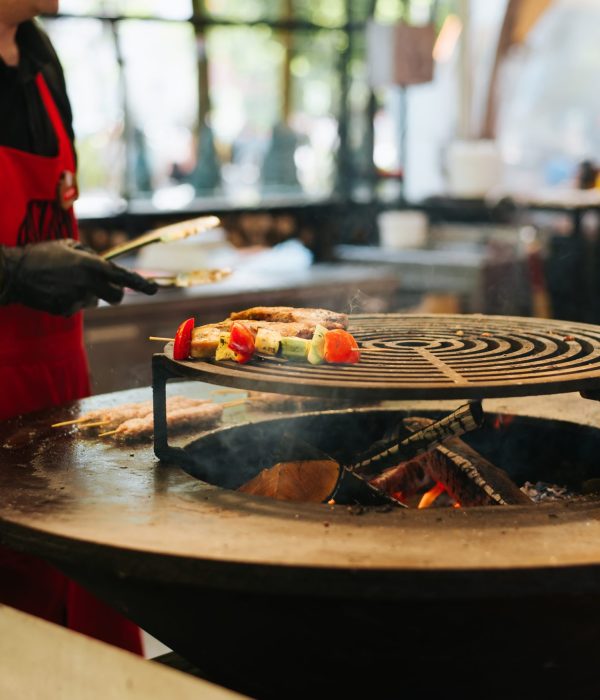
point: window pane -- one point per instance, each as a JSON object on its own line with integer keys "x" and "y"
{"x": 326, "y": 14}
{"x": 316, "y": 106}
{"x": 548, "y": 120}
{"x": 246, "y": 11}
{"x": 169, "y": 9}
{"x": 245, "y": 83}
{"x": 162, "y": 97}
{"x": 87, "y": 52}
{"x": 81, "y": 7}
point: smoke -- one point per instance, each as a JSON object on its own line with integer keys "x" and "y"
{"x": 361, "y": 303}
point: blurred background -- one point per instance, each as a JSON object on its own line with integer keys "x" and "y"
{"x": 368, "y": 155}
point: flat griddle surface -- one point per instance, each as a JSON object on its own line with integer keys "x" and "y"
{"x": 97, "y": 505}
{"x": 433, "y": 357}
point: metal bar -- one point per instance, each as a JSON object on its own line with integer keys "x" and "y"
{"x": 160, "y": 374}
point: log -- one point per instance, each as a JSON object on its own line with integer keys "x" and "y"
{"x": 468, "y": 476}
{"x": 310, "y": 481}
{"x": 305, "y": 473}
{"x": 432, "y": 433}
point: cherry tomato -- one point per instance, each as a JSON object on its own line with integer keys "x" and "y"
{"x": 183, "y": 340}
{"x": 242, "y": 340}
{"x": 340, "y": 346}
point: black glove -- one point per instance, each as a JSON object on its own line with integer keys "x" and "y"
{"x": 61, "y": 277}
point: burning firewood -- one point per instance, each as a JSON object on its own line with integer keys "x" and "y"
{"x": 303, "y": 472}
{"x": 423, "y": 439}
{"x": 466, "y": 475}
{"x": 310, "y": 481}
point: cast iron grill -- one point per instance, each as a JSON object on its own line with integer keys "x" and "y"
{"x": 433, "y": 357}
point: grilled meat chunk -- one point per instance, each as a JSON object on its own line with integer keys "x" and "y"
{"x": 291, "y": 314}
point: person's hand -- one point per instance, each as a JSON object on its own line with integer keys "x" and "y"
{"x": 61, "y": 277}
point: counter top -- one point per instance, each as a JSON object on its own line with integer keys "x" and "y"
{"x": 319, "y": 280}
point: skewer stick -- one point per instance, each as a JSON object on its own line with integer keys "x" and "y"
{"x": 217, "y": 392}
{"x": 227, "y": 404}
{"x": 69, "y": 422}
{"x": 162, "y": 340}
{"x": 237, "y": 402}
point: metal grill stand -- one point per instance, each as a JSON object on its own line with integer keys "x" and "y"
{"x": 415, "y": 357}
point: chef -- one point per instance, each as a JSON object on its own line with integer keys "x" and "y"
{"x": 46, "y": 278}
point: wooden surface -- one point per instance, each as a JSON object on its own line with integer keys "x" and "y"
{"x": 76, "y": 500}
{"x": 42, "y": 661}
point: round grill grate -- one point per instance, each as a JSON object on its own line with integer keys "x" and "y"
{"x": 433, "y": 357}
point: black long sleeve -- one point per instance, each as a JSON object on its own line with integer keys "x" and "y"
{"x": 24, "y": 124}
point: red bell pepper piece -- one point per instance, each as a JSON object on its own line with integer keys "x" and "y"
{"x": 241, "y": 341}
{"x": 340, "y": 346}
{"x": 242, "y": 358}
{"x": 183, "y": 340}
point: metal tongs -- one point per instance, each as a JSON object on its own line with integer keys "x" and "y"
{"x": 170, "y": 234}
{"x": 192, "y": 278}
{"x": 165, "y": 234}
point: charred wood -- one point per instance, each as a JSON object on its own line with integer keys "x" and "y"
{"x": 468, "y": 476}
{"x": 424, "y": 439}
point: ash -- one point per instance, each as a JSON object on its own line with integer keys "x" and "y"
{"x": 542, "y": 491}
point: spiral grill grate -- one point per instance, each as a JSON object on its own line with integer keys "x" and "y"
{"x": 435, "y": 356}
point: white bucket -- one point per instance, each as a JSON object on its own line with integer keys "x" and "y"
{"x": 474, "y": 168}
{"x": 402, "y": 229}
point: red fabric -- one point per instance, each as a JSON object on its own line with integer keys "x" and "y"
{"x": 42, "y": 364}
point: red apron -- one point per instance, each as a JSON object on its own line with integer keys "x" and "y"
{"x": 43, "y": 364}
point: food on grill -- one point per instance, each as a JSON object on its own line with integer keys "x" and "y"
{"x": 316, "y": 353}
{"x": 285, "y": 402}
{"x": 268, "y": 324}
{"x": 316, "y": 335}
{"x": 183, "y": 340}
{"x": 310, "y": 481}
{"x": 340, "y": 346}
{"x": 295, "y": 348}
{"x": 241, "y": 341}
{"x": 201, "y": 417}
{"x": 205, "y": 339}
{"x": 114, "y": 415}
{"x": 291, "y": 314}
{"x": 267, "y": 342}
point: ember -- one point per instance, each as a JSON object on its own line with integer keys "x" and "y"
{"x": 430, "y": 464}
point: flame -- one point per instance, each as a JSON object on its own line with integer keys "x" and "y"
{"x": 503, "y": 420}
{"x": 430, "y": 496}
{"x": 399, "y": 496}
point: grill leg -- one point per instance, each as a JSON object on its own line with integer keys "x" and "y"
{"x": 592, "y": 394}
{"x": 160, "y": 375}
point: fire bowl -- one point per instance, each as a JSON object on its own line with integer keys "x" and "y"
{"x": 511, "y": 632}
{"x": 286, "y": 600}
{"x": 528, "y": 449}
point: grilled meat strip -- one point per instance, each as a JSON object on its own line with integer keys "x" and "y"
{"x": 292, "y": 314}
{"x": 115, "y": 415}
{"x": 286, "y": 402}
{"x": 200, "y": 417}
